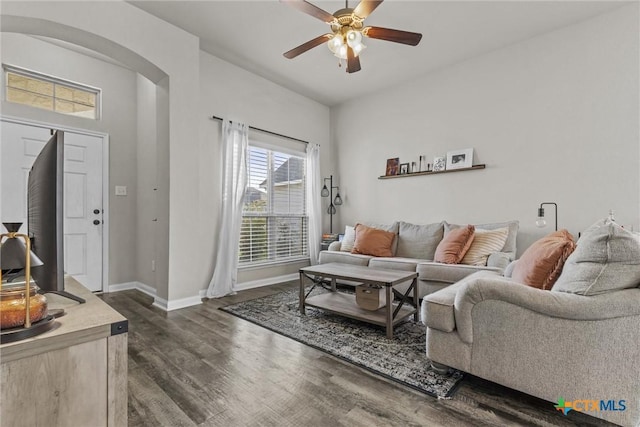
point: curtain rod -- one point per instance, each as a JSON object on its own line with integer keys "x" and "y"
{"x": 265, "y": 131}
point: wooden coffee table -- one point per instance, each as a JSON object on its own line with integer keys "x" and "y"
{"x": 345, "y": 304}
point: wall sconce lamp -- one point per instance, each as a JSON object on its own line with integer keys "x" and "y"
{"x": 333, "y": 202}
{"x": 541, "y": 222}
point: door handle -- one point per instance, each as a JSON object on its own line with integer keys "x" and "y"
{"x": 96, "y": 222}
{"x": 96, "y": 211}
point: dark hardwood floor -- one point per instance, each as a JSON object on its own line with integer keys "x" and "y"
{"x": 200, "y": 366}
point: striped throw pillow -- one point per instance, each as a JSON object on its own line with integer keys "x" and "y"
{"x": 484, "y": 244}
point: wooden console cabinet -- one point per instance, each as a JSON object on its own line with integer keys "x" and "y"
{"x": 72, "y": 375}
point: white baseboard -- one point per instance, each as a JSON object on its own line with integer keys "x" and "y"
{"x": 177, "y": 304}
{"x": 266, "y": 282}
{"x": 146, "y": 289}
{"x": 165, "y": 305}
{"x": 161, "y": 303}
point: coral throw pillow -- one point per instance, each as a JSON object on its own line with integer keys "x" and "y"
{"x": 373, "y": 241}
{"x": 454, "y": 245}
{"x": 541, "y": 264}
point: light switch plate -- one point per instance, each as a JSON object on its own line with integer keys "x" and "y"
{"x": 121, "y": 190}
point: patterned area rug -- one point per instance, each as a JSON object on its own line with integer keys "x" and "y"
{"x": 401, "y": 359}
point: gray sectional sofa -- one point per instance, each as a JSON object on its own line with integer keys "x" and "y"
{"x": 578, "y": 341}
{"x": 414, "y": 248}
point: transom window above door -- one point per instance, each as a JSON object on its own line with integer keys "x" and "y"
{"x": 51, "y": 93}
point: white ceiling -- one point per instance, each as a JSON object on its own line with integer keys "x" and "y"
{"x": 255, "y": 34}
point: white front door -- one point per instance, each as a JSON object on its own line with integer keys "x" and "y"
{"x": 20, "y": 146}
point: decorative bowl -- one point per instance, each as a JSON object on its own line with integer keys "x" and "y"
{"x": 13, "y": 306}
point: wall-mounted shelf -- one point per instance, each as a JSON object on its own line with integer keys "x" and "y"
{"x": 406, "y": 175}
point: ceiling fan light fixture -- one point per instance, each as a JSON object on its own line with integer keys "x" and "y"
{"x": 347, "y": 26}
{"x": 335, "y": 43}
{"x": 354, "y": 38}
{"x": 342, "y": 52}
{"x": 358, "y": 48}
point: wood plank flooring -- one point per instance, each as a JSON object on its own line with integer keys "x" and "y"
{"x": 200, "y": 366}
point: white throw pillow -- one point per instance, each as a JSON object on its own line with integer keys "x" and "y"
{"x": 349, "y": 239}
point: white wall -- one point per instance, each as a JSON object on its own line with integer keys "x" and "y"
{"x": 187, "y": 141}
{"x": 163, "y": 195}
{"x": 554, "y": 118}
{"x": 118, "y": 119}
{"x": 231, "y": 92}
{"x": 146, "y": 185}
{"x": 155, "y": 49}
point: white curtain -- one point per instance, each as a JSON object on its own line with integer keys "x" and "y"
{"x": 235, "y": 145}
{"x": 314, "y": 210}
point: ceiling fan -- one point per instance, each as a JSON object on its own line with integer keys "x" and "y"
{"x": 347, "y": 26}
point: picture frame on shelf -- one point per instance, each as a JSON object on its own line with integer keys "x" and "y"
{"x": 460, "y": 159}
{"x": 404, "y": 168}
{"x": 392, "y": 166}
{"x": 439, "y": 164}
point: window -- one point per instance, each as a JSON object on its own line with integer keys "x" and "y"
{"x": 274, "y": 220}
{"x": 50, "y": 93}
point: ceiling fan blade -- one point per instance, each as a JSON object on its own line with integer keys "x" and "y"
{"x": 397, "y": 36}
{"x": 306, "y": 46}
{"x": 309, "y": 9}
{"x": 353, "y": 62}
{"x": 365, "y": 7}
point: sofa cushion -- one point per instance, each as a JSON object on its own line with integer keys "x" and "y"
{"x": 541, "y": 264}
{"x": 373, "y": 241}
{"x": 344, "y": 258}
{"x": 606, "y": 259}
{"x": 346, "y": 245}
{"x": 419, "y": 241}
{"x": 508, "y": 271}
{"x": 394, "y": 263}
{"x": 454, "y": 245}
{"x": 509, "y": 245}
{"x": 499, "y": 259}
{"x": 448, "y": 273}
{"x": 485, "y": 242}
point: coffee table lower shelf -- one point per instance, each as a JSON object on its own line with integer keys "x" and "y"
{"x": 345, "y": 305}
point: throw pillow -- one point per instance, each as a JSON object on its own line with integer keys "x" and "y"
{"x": 541, "y": 264}
{"x": 454, "y": 245}
{"x": 485, "y": 242}
{"x": 373, "y": 241}
{"x": 419, "y": 241}
{"x": 348, "y": 240}
{"x": 393, "y": 227}
{"x": 606, "y": 259}
{"x": 509, "y": 245}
